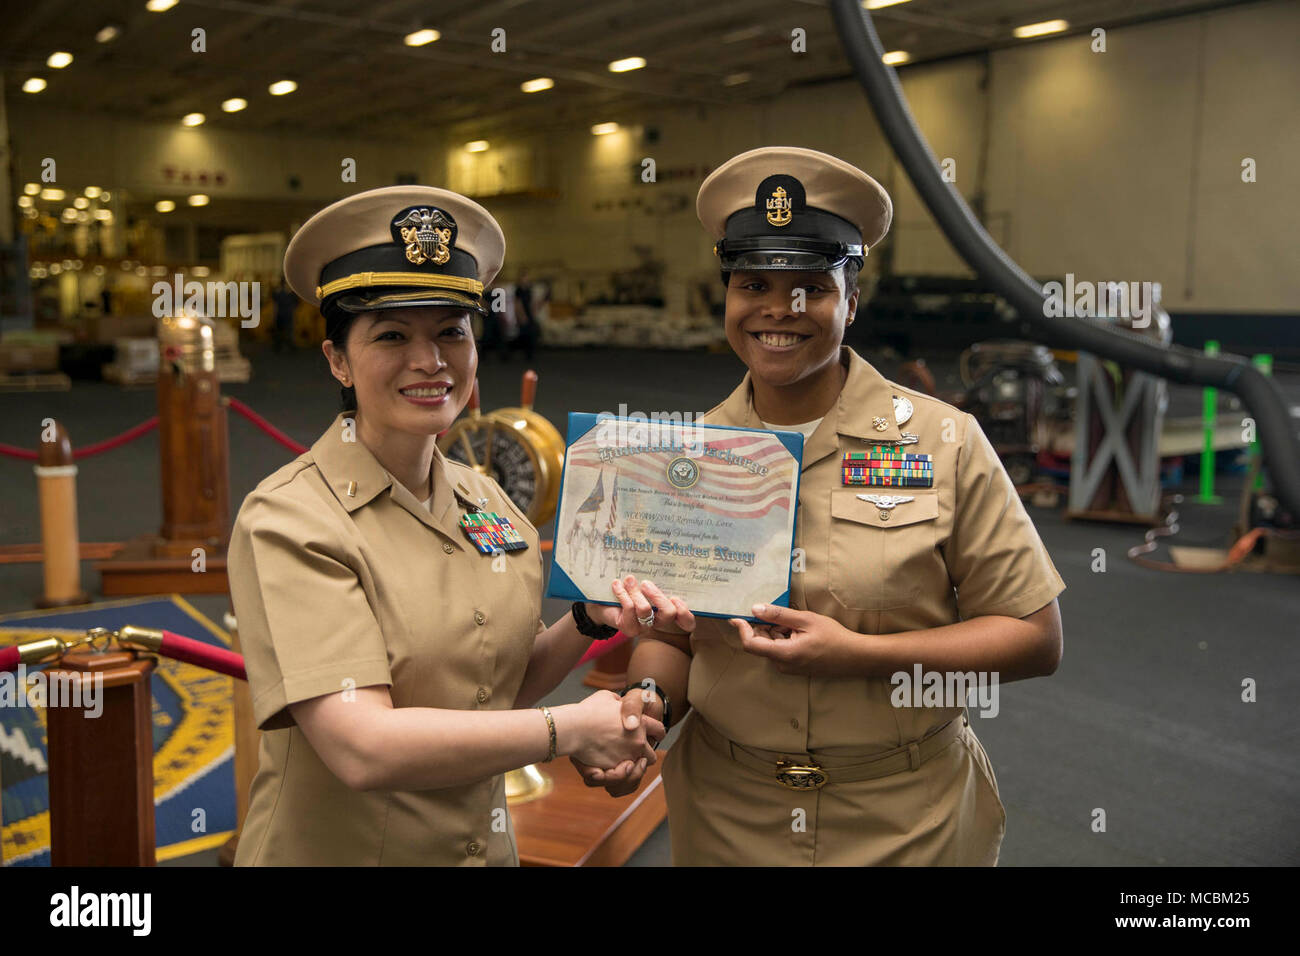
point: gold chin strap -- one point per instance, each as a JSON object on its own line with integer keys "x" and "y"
{"x": 362, "y": 280}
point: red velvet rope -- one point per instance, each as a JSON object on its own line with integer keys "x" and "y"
{"x": 266, "y": 426}
{"x": 600, "y": 648}
{"x": 13, "y": 451}
{"x": 202, "y": 655}
{"x": 232, "y": 665}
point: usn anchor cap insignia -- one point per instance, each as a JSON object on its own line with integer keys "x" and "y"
{"x": 779, "y": 197}
{"x": 778, "y": 207}
{"x": 427, "y": 232}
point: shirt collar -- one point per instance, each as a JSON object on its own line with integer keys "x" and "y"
{"x": 356, "y": 477}
{"x": 866, "y": 397}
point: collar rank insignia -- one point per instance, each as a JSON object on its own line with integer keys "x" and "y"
{"x": 886, "y": 466}
{"x": 427, "y": 232}
{"x": 491, "y": 533}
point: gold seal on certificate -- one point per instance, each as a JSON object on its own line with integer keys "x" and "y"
{"x": 704, "y": 511}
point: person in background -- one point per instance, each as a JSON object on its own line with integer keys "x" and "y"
{"x": 286, "y": 304}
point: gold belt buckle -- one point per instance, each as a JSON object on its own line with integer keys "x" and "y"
{"x": 800, "y": 776}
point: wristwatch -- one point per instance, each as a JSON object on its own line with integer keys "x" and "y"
{"x": 668, "y": 707}
{"x": 588, "y": 627}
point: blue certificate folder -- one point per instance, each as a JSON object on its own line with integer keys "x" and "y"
{"x": 581, "y": 424}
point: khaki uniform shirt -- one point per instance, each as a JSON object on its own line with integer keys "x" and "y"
{"x": 339, "y": 586}
{"x": 963, "y": 548}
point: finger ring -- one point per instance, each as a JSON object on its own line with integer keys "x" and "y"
{"x": 647, "y": 621}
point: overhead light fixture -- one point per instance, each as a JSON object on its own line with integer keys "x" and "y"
{"x": 92, "y": 192}
{"x": 33, "y": 84}
{"x": 105, "y": 196}
{"x": 735, "y": 79}
{"x": 25, "y": 202}
{"x": 81, "y": 202}
{"x": 159, "y": 6}
{"x": 281, "y": 87}
{"x": 200, "y": 272}
{"x": 198, "y": 199}
{"x": 193, "y": 119}
{"x": 629, "y": 63}
{"x": 604, "y": 129}
{"x": 108, "y": 33}
{"x": 537, "y": 85}
{"x": 104, "y": 215}
{"x": 1030, "y": 30}
{"x": 881, "y": 4}
{"x": 895, "y": 57}
{"x": 164, "y": 205}
{"x": 32, "y": 189}
{"x": 57, "y": 61}
{"x": 421, "y": 37}
{"x": 69, "y": 215}
{"x": 50, "y": 194}
{"x": 478, "y": 146}
{"x": 234, "y": 104}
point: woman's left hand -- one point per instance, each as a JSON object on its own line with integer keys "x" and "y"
{"x": 801, "y": 642}
{"x": 640, "y": 601}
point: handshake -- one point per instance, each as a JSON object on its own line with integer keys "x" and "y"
{"x": 618, "y": 735}
{"x": 613, "y": 738}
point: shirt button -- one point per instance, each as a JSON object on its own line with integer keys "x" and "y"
{"x": 479, "y": 617}
{"x": 473, "y": 848}
{"x": 794, "y": 722}
{"x": 884, "y": 516}
{"x": 482, "y": 695}
{"x": 448, "y": 547}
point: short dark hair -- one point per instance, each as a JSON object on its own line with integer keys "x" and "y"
{"x": 337, "y": 325}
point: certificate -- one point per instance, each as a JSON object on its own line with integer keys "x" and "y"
{"x": 706, "y": 512}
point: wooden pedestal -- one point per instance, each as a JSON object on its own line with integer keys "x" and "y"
{"x": 141, "y": 567}
{"x": 577, "y": 825}
{"x": 101, "y": 768}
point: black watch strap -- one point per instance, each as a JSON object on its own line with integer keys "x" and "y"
{"x": 588, "y": 627}
{"x": 654, "y": 686}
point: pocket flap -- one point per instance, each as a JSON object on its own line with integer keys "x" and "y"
{"x": 847, "y": 505}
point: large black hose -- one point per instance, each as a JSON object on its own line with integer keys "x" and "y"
{"x": 1260, "y": 393}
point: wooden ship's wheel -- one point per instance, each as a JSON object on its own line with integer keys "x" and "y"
{"x": 516, "y": 447}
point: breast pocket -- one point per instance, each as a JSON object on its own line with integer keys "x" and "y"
{"x": 879, "y": 557}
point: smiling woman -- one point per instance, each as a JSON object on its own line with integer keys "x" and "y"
{"x": 949, "y": 577}
{"x": 393, "y": 650}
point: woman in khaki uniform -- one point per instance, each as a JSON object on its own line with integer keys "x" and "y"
{"x": 388, "y": 653}
{"x": 806, "y": 742}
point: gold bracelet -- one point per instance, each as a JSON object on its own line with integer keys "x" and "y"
{"x": 550, "y": 725}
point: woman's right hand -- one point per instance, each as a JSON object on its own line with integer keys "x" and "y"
{"x": 606, "y": 730}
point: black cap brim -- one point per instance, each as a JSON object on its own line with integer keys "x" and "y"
{"x": 358, "y": 302}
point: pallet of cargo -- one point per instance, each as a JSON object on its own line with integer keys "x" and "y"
{"x": 35, "y": 382}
